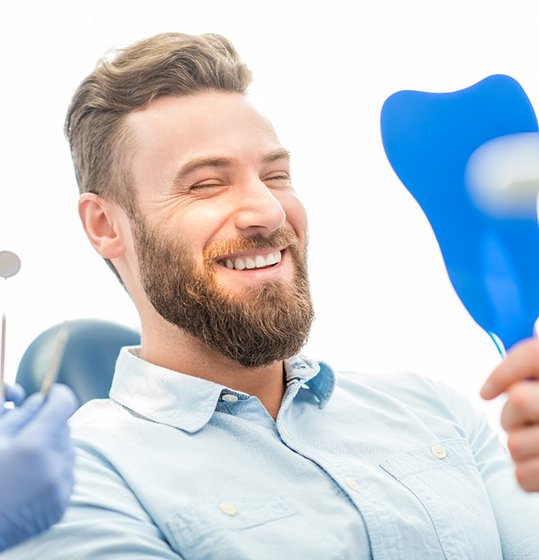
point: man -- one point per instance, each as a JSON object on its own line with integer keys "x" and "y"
{"x": 219, "y": 440}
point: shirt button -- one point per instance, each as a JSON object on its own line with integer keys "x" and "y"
{"x": 438, "y": 451}
{"x": 228, "y": 509}
{"x": 352, "y": 484}
{"x": 285, "y": 431}
{"x": 229, "y": 398}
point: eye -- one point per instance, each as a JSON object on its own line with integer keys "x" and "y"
{"x": 278, "y": 179}
{"x": 210, "y": 184}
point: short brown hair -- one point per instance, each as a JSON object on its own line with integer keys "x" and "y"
{"x": 166, "y": 64}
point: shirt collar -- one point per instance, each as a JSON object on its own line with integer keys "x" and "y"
{"x": 317, "y": 375}
{"x": 187, "y": 402}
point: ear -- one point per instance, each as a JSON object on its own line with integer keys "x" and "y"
{"x": 102, "y": 222}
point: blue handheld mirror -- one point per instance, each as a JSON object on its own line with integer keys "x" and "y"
{"x": 492, "y": 259}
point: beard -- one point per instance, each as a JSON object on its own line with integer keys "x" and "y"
{"x": 266, "y": 323}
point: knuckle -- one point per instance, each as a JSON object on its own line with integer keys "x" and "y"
{"x": 527, "y": 477}
{"x": 522, "y": 477}
{"x": 529, "y": 346}
{"x": 514, "y": 444}
{"x": 518, "y": 395}
{"x": 507, "y": 416}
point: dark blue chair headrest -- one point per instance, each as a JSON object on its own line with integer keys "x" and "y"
{"x": 88, "y": 361}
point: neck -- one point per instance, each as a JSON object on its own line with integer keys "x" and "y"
{"x": 167, "y": 346}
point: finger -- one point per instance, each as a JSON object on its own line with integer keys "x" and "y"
{"x": 523, "y": 443}
{"x": 522, "y": 406}
{"x": 57, "y": 407}
{"x": 14, "y": 420}
{"x": 15, "y": 394}
{"x": 521, "y": 363}
{"x": 527, "y": 473}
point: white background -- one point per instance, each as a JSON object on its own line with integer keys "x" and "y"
{"x": 321, "y": 72}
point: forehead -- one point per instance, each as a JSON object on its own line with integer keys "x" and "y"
{"x": 207, "y": 123}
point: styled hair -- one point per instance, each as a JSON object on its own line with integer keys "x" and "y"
{"x": 166, "y": 64}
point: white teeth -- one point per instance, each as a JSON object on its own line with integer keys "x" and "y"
{"x": 259, "y": 261}
{"x": 239, "y": 264}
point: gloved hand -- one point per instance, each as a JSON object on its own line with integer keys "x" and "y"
{"x": 36, "y": 464}
{"x": 14, "y": 394}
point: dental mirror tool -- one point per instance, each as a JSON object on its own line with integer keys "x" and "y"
{"x": 10, "y": 264}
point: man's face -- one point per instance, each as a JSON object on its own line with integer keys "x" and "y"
{"x": 221, "y": 236}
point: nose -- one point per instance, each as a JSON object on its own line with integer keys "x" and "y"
{"x": 258, "y": 209}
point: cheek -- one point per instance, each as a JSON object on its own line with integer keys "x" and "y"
{"x": 200, "y": 226}
{"x": 197, "y": 223}
{"x": 296, "y": 215}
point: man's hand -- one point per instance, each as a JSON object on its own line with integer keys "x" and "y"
{"x": 36, "y": 464}
{"x": 518, "y": 377}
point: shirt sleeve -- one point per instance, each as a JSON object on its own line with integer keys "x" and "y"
{"x": 516, "y": 511}
{"x": 104, "y": 520}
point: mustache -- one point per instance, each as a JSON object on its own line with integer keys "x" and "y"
{"x": 277, "y": 240}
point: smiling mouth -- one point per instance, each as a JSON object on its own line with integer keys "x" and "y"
{"x": 251, "y": 262}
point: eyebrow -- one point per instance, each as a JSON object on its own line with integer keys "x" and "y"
{"x": 220, "y": 162}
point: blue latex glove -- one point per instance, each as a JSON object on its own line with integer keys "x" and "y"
{"x": 14, "y": 394}
{"x": 36, "y": 464}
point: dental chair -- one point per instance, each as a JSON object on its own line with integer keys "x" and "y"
{"x": 88, "y": 360}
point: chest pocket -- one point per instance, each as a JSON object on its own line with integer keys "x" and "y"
{"x": 445, "y": 479}
{"x": 265, "y": 528}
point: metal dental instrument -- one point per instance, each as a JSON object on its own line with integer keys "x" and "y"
{"x": 10, "y": 264}
{"x": 56, "y": 360}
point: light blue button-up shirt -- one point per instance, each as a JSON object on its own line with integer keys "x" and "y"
{"x": 355, "y": 467}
